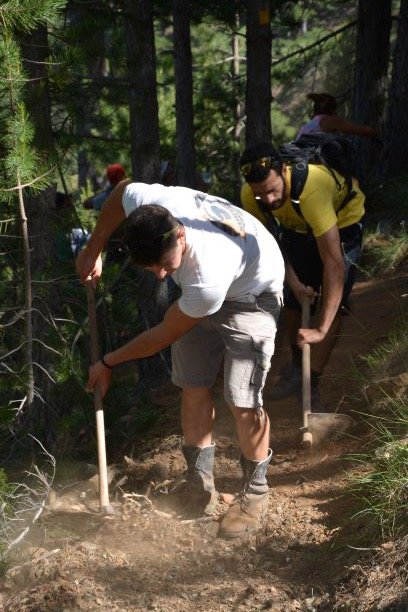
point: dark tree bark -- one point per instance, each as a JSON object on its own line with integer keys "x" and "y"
{"x": 87, "y": 99}
{"x": 39, "y": 208}
{"x": 35, "y": 53}
{"x": 238, "y": 107}
{"x": 372, "y": 59}
{"x": 183, "y": 72}
{"x": 145, "y": 152}
{"x": 144, "y": 116}
{"x": 397, "y": 121}
{"x": 258, "y": 96}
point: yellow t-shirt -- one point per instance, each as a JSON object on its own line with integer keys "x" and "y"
{"x": 320, "y": 199}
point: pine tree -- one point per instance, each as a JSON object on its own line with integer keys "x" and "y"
{"x": 24, "y": 169}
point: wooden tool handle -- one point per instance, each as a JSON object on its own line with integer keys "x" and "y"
{"x": 93, "y": 326}
{"x": 100, "y": 425}
{"x": 306, "y": 387}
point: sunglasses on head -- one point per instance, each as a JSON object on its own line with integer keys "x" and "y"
{"x": 263, "y": 163}
{"x": 158, "y": 239}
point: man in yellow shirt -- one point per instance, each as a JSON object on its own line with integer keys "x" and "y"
{"x": 320, "y": 238}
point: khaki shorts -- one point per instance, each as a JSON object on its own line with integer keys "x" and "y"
{"x": 241, "y": 334}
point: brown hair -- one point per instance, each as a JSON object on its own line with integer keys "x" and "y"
{"x": 323, "y": 103}
{"x": 151, "y": 231}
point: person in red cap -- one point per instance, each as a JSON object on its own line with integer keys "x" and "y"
{"x": 325, "y": 119}
{"x": 115, "y": 173}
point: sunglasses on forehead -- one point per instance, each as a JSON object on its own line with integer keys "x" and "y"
{"x": 156, "y": 240}
{"x": 263, "y": 163}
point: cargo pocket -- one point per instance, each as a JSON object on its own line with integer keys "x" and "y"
{"x": 264, "y": 348}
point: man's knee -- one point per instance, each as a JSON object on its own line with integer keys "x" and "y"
{"x": 196, "y": 393}
{"x": 252, "y": 418}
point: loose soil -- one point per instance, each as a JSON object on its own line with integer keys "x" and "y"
{"x": 308, "y": 555}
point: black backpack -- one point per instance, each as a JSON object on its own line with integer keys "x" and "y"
{"x": 333, "y": 151}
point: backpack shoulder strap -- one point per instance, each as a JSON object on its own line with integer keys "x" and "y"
{"x": 300, "y": 171}
{"x": 271, "y": 222}
{"x": 351, "y": 194}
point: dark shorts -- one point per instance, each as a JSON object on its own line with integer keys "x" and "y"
{"x": 302, "y": 253}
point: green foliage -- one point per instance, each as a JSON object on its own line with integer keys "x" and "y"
{"x": 316, "y": 67}
{"x": 38, "y": 13}
{"x": 144, "y": 419}
{"x": 93, "y": 35}
{"x": 388, "y": 201}
{"x": 6, "y": 490}
{"x": 215, "y": 97}
{"x": 10, "y": 68}
{"x": 22, "y": 160}
{"x": 386, "y": 237}
{"x": 383, "y": 488}
{"x": 390, "y": 357}
{"x": 21, "y": 163}
{"x": 385, "y": 253}
{"x": 216, "y": 92}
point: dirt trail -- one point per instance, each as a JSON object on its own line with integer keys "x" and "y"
{"x": 141, "y": 560}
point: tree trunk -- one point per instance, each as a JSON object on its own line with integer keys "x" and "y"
{"x": 238, "y": 107}
{"x": 183, "y": 72}
{"x": 397, "y": 120}
{"x": 28, "y": 321}
{"x": 258, "y": 96}
{"x": 35, "y": 54}
{"x": 144, "y": 115}
{"x": 372, "y": 58}
{"x": 39, "y": 213}
{"x": 145, "y": 150}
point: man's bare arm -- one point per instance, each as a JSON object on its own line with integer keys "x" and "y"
{"x": 299, "y": 290}
{"x": 88, "y": 262}
{"x": 146, "y": 344}
{"x": 155, "y": 339}
{"x": 332, "y": 286}
{"x": 332, "y": 123}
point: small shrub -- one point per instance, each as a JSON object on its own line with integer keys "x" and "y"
{"x": 382, "y": 488}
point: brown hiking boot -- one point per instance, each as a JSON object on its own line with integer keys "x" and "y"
{"x": 244, "y": 516}
{"x": 250, "y": 507}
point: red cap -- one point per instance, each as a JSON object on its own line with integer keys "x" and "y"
{"x": 115, "y": 173}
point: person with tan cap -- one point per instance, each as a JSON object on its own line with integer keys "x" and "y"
{"x": 325, "y": 119}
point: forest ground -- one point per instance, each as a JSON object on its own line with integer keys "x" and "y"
{"x": 308, "y": 555}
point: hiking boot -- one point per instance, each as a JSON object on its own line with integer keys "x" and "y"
{"x": 195, "y": 495}
{"x": 289, "y": 383}
{"x": 245, "y": 515}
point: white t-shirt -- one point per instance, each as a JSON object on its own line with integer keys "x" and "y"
{"x": 311, "y": 126}
{"x": 229, "y": 254}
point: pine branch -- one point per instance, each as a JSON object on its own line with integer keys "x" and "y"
{"x": 14, "y": 16}
{"x": 315, "y": 44}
